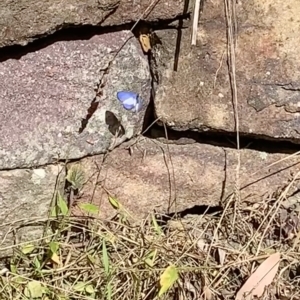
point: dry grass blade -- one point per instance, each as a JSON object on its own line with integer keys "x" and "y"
{"x": 195, "y": 22}
{"x": 231, "y": 47}
{"x": 120, "y": 260}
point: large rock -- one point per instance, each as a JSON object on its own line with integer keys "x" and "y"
{"x": 198, "y": 94}
{"x": 178, "y": 177}
{"x": 155, "y": 176}
{"x": 25, "y": 197}
{"x": 45, "y": 95}
{"x": 25, "y": 20}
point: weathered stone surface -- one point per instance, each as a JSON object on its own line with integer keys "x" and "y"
{"x": 45, "y": 95}
{"x": 25, "y": 195}
{"x": 198, "y": 175}
{"x": 198, "y": 95}
{"x": 25, "y": 20}
{"x": 144, "y": 181}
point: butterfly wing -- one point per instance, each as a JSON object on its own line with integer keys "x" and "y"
{"x": 125, "y": 95}
{"x": 128, "y": 99}
{"x": 139, "y": 104}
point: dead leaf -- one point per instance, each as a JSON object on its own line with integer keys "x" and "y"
{"x": 202, "y": 245}
{"x": 145, "y": 42}
{"x": 222, "y": 255}
{"x": 207, "y": 293}
{"x": 263, "y": 276}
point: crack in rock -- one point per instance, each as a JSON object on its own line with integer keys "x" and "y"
{"x": 94, "y": 104}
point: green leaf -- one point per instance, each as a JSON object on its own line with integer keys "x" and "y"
{"x": 34, "y": 289}
{"x": 62, "y": 204}
{"x": 13, "y": 267}
{"x": 76, "y": 176}
{"x": 53, "y": 212}
{"x": 105, "y": 258}
{"x": 114, "y": 202}
{"x": 36, "y": 263}
{"x": 150, "y": 258}
{"x": 91, "y": 259}
{"x": 156, "y": 226}
{"x": 54, "y": 246}
{"x": 89, "y": 289}
{"x": 79, "y": 286}
{"x": 27, "y": 248}
{"x": 167, "y": 279}
{"x": 55, "y": 258}
{"x": 109, "y": 291}
{"x": 89, "y": 208}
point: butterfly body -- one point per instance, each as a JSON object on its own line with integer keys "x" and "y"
{"x": 130, "y": 100}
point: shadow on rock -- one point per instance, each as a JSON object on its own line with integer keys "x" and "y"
{"x": 195, "y": 210}
{"x": 114, "y": 125}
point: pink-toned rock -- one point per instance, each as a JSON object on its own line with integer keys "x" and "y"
{"x": 142, "y": 182}
{"x": 25, "y": 20}
{"x": 46, "y": 94}
{"x": 198, "y": 94}
{"x": 197, "y": 174}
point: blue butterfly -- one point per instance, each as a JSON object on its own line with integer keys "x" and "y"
{"x": 130, "y": 100}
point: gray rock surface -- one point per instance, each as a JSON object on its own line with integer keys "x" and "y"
{"x": 25, "y": 20}
{"x": 197, "y": 95}
{"x": 197, "y": 174}
{"x": 45, "y": 95}
{"x": 25, "y": 197}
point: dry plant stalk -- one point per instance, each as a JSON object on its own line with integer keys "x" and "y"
{"x": 195, "y": 22}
